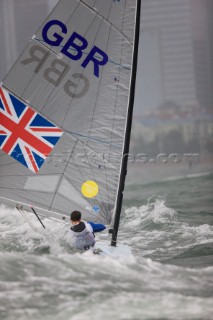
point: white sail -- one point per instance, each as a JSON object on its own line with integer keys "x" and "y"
{"x": 75, "y": 76}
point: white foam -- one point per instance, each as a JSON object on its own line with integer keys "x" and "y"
{"x": 155, "y": 230}
{"x": 155, "y": 211}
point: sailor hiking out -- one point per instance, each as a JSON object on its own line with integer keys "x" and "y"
{"x": 83, "y": 232}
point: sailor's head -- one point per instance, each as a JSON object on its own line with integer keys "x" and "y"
{"x": 75, "y": 217}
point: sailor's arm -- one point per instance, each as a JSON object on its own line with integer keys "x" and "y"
{"x": 97, "y": 227}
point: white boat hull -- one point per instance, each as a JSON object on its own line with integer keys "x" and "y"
{"x": 107, "y": 250}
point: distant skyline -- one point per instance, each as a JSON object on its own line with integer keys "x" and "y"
{"x": 174, "y": 54}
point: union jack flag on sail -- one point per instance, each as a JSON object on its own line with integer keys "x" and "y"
{"x": 24, "y": 134}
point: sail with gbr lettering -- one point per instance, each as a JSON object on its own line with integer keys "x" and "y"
{"x": 64, "y": 108}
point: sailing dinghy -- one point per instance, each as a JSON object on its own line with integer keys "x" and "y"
{"x": 66, "y": 111}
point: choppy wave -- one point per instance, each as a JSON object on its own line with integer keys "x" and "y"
{"x": 188, "y": 176}
{"x": 156, "y": 231}
{"x": 153, "y": 230}
{"x": 169, "y": 276}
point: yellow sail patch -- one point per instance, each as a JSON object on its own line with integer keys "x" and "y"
{"x": 89, "y": 189}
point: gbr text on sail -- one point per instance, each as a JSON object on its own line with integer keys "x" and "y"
{"x": 55, "y": 70}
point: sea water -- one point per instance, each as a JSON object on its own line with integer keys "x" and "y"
{"x": 169, "y": 227}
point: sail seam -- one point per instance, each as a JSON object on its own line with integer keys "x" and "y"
{"x": 42, "y": 42}
{"x": 94, "y": 179}
{"x": 92, "y": 138}
{"x": 116, "y": 189}
{"x": 62, "y": 175}
{"x": 50, "y": 48}
{"x": 94, "y": 109}
{"x": 107, "y": 21}
{"x": 82, "y": 72}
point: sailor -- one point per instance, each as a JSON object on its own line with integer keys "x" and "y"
{"x": 83, "y": 232}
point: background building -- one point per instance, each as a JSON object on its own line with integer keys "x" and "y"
{"x": 174, "y": 96}
{"x": 176, "y": 58}
{"x": 202, "y": 22}
{"x": 19, "y": 19}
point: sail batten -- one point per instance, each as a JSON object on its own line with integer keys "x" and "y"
{"x": 76, "y": 77}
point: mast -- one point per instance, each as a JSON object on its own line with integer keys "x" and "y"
{"x": 124, "y": 162}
